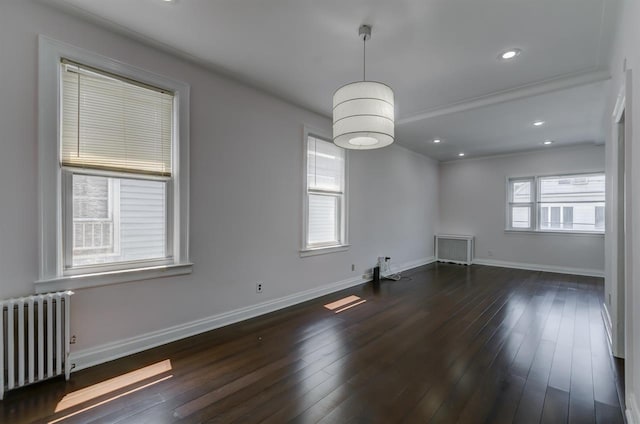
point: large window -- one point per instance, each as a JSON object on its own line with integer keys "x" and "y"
{"x": 325, "y": 205}
{"x": 114, "y": 183}
{"x": 116, "y": 162}
{"x": 565, "y": 203}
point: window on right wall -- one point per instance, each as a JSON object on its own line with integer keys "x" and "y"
{"x": 562, "y": 203}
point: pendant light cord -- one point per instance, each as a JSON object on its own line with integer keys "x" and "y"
{"x": 364, "y": 58}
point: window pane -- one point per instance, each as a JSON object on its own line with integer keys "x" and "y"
{"x": 323, "y": 219}
{"x": 555, "y": 217}
{"x": 567, "y": 217}
{"x": 325, "y": 165}
{"x": 600, "y": 217}
{"x": 521, "y": 217}
{"x": 116, "y": 220}
{"x": 577, "y": 188}
{"x": 90, "y": 197}
{"x": 573, "y": 216}
{"x": 544, "y": 217}
{"x": 574, "y": 202}
{"x": 521, "y": 191}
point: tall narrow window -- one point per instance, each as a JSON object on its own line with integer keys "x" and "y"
{"x": 116, "y": 160}
{"x": 113, "y": 164}
{"x": 325, "y": 194}
{"x": 521, "y": 203}
{"x": 117, "y": 163}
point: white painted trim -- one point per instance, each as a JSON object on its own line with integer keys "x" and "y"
{"x": 84, "y": 281}
{"x": 405, "y": 266}
{"x": 50, "y": 52}
{"x": 537, "y": 267}
{"x": 528, "y": 90}
{"x": 606, "y": 318}
{"x": 324, "y": 250}
{"x": 306, "y": 250}
{"x": 632, "y": 412}
{"x": 107, "y": 352}
{"x": 554, "y": 233}
{"x": 575, "y": 146}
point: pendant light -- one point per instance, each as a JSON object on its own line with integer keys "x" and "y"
{"x": 363, "y": 111}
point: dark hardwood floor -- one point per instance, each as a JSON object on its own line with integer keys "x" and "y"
{"x": 445, "y": 344}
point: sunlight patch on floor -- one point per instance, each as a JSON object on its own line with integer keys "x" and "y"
{"x": 95, "y": 405}
{"x": 100, "y": 389}
{"x": 344, "y": 304}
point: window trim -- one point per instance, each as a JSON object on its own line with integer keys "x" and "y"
{"x": 535, "y": 205}
{"x": 343, "y": 244}
{"x": 531, "y": 205}
{"x": 50, "y": 226}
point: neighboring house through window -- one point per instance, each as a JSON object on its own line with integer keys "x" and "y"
{"x": 567, "y": 203}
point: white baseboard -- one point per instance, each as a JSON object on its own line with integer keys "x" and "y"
{"x": 404, "y": 266}
{"x": 107, "y": 352}
{"x": 536, "y": 267}
{"x": 632, "y": 413}
{"x": 608, "y": 326}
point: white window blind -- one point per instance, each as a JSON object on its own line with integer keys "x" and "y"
{"x": 325, "y": 166}
{"x": 111, "y": 123}
{"x": 325, "y": 193}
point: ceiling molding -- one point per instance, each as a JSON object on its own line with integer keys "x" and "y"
{"x": 528, "y": 90}
{"x": 572, "y": 146}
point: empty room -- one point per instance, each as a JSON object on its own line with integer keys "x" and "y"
{"x": 368, "y": 211}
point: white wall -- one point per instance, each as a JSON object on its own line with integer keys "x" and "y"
{"x": 626, "y": 57}
{"x": 246, "y": 193}
{"x": 472, "y": 201}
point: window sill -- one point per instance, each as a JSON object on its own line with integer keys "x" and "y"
{"x": 85, "y": 281}
{"x": 324, "y": 250}
{"x": 562, "y": 233}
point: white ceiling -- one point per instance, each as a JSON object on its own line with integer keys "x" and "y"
{"x": 440, "y": 56}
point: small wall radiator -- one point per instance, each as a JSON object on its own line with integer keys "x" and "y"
{"x": 34, "y": 339}
{"x": 454, "y": 248}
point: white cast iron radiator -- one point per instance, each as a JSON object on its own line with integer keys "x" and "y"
{"x": 34, "y": 339}
{"x": 454, "y": 248}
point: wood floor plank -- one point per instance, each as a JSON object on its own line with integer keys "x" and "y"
{"x": 556, "y": 406}
{"x": 445, "y": 344}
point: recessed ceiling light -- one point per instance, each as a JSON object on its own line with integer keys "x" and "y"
{"x": 510, "y": 54}
{"x": 460, "y": 154}
{"x": 538, "y": 123}
{"x": 436, "y": 140}
{"x": 547, "y": 142}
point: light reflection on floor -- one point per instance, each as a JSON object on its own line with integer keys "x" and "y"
{"x": 344, "y": 304}
{"x": 111, "y": 385}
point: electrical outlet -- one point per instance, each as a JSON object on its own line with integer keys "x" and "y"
{"x": 489, "y": 252}
{"x": 353, "y": 267}
{"x": 73, "y": 339}
{"x": 259, "y": 285}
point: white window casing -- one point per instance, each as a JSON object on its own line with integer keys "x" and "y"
{"x": 58, "y": 162}
{"x": 325, "y": 205}
{"x": 562, "y": 203}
